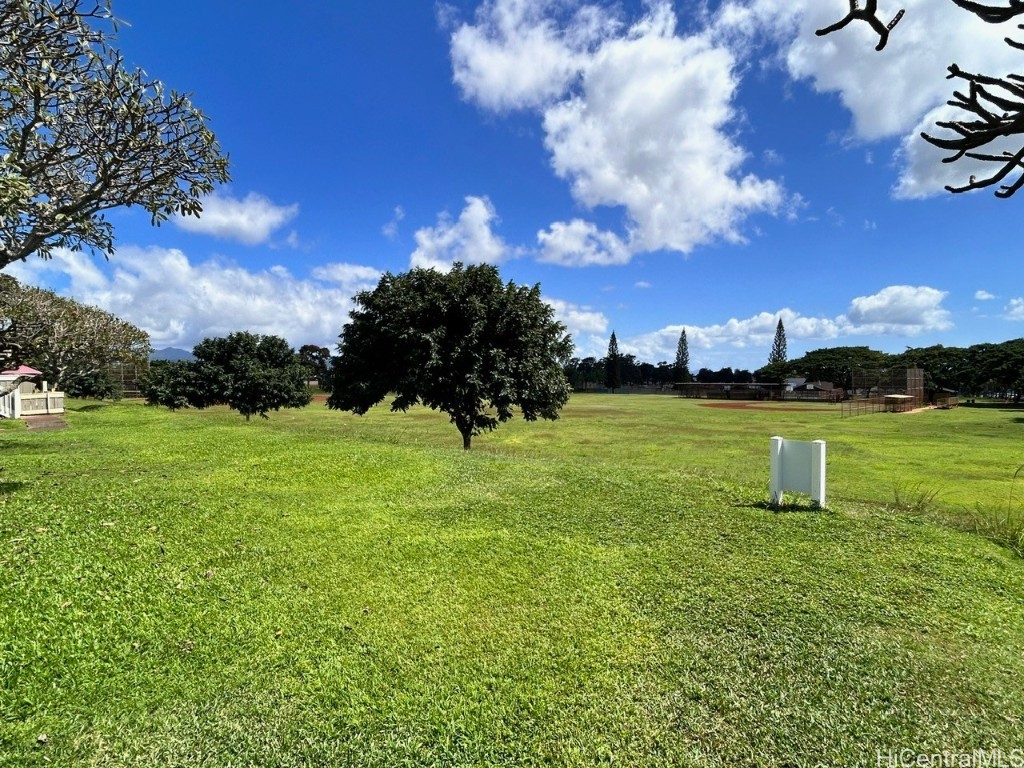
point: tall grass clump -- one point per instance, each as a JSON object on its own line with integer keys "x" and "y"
{"x": 914, "y": 498}
{"x": 1005, "y": 526}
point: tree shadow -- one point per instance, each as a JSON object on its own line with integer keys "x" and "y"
{"x": 10, "y": 486}
{"x": 787, "y": 508}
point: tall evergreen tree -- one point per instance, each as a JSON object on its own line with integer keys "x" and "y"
{"x": 613, "y": 365}
{"x": 682, "y": 367}
{"x": 778, "y": 354}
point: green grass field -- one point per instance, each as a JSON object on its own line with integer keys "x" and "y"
{"x": 319, "y": 589}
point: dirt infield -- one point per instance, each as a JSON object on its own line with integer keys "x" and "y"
{"x": 732, "y": 405}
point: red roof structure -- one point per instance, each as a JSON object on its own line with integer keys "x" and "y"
{"x": 22, "y": 370}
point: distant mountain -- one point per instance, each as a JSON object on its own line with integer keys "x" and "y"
{"x": 172, "y": 353}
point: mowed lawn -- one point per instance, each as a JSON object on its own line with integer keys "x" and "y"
{"x": 319, "y": 589}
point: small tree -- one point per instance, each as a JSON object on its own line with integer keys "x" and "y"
{"x": 682, "y": 366}
{"x": 613, "y": 365}
{"x": 170, "y": 384}
{"x": 81, "y": 133}
{"x": 317, "y": 360}
{"x": 778, "y": 353}
{"x": 249, "y": 372}
{"x": 462, "y": 343}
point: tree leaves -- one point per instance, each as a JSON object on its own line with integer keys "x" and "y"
{"x": 462, "y": 343}
{"x": 80, "y": 133}
{"x": 249, "y": 372}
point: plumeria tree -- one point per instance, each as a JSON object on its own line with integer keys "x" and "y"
{"x": 68, "y": 341}
{"x": 81, "y": 132}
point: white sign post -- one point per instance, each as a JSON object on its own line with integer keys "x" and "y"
{"x": 797, "y": 466}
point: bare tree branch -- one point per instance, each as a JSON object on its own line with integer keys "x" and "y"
{"x": 995, "y": 104}
{"x": 993, "y": 14}
{"x": 998, "y": 104}
{"x": 869, "y": 14}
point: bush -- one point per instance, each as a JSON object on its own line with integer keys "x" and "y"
{"x": 97, "y": 384}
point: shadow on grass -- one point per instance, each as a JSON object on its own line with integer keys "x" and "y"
{"x": 86, "y": 408}
{"x": 789, "y": 507}
{"x": 7, "y": 487}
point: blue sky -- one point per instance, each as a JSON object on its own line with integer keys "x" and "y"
{"x": 654, "y": 165}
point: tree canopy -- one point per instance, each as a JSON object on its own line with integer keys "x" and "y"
{"x": 81, "y": 132}
{"x": 836, "y": 364}
{"x": 317, "y": 360}
{"x": 463, "y": 343}
{"x": 993, "y": 107}
{"x": 980, "y": 369}
{"x": 71, "y": 343}
{"x": 249, "y": 372}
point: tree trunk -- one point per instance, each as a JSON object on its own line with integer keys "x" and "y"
{"x": 465, "y": 426}
{"x": 9, "y": 386}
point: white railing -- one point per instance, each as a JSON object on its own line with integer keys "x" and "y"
{"x": 9, "y": 406}
{"x": 38, "y": 403}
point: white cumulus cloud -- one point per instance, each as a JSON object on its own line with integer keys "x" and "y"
{"x": 983, "y": 295}
{"x": 1015, "y": 309}
{"x": 517, "y": 56}
{"x": 899, "y": 309}
{"x": 636, "y": 117}
{"x": 251, "y": 220}
{"x": 578, "y": 319}
{"x": 179, "y": 302}
{"x": 897, "y": 92}
{"x": 580, "y": 243}
{"x": 468, "y": 239}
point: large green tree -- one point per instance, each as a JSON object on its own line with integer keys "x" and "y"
{"x": 996, "y": 369}
{"x": 837, "y": 364}
{"x": 73, "y": 344}
{"x": 463, "y": 343}
{"x": 81, "y": 133}
{"x": 944, "y": 367}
